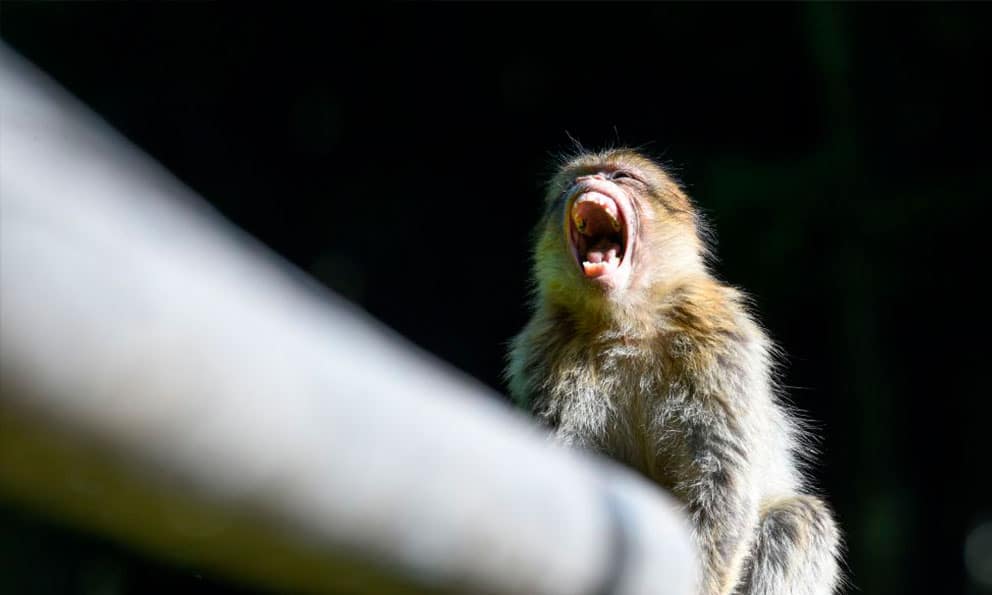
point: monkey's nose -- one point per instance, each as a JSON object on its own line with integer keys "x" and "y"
{"x": 595, "y": 176}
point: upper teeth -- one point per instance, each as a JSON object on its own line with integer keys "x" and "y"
{"x": 580, "y": 223}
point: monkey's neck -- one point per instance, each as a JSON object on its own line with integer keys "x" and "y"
{"x": 696, "y": 304}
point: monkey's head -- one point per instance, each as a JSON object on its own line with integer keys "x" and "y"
{"x": 615, "y": 229}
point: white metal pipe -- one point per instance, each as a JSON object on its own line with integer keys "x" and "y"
{"x": 168, "y": 381}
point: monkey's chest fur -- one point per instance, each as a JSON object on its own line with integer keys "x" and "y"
{"x": 654, "y": 401}
{"x": 666, "y": 400}
{"x": 626, "y": 398}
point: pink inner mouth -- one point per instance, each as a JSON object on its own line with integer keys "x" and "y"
{"x": 598, "y": 235}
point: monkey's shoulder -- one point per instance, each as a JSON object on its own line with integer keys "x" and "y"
{"x": 707, "y": 323}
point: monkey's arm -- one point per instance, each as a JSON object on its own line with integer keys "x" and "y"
{"x": 717, "y": 489}
{"x": 736, "y": 443}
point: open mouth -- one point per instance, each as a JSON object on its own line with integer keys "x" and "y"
{"x": 599, "y": 234}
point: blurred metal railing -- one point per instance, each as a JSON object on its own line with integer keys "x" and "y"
{"x": 167, "y": 381}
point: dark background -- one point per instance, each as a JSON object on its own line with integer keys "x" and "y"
{"x": 397, "y": 154}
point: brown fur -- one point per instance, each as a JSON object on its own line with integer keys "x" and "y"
{"x": 672, "y": 376}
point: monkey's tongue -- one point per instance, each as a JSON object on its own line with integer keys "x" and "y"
{"x": 601, "y": 259}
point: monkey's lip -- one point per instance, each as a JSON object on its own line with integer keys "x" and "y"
{"x": 598, "y": 222}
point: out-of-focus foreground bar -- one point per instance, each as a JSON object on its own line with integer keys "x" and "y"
{"x": 167, "y": 381}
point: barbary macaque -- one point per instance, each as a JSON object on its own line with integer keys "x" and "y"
{"x": 637, "y": 351}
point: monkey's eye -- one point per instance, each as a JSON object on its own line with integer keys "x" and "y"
{"x": 621, "y": 174}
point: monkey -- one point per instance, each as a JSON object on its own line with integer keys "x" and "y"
{"x": 636, "y": 350}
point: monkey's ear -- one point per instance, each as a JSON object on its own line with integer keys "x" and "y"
{"x": 554, "y": 203}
